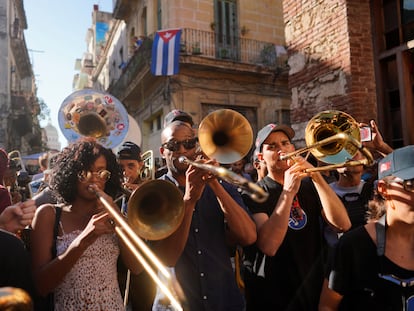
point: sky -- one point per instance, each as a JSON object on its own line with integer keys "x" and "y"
{"x": 55, "y": 38}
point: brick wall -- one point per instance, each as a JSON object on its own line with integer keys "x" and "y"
{"x": 330, "y": 59}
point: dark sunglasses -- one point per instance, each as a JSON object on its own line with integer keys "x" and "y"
{"x": 174, "y": 145}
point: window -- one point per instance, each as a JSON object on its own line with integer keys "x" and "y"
{"x": 226, "y": 28}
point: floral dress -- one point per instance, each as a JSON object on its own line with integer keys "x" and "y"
{"x": 92, "y": 283}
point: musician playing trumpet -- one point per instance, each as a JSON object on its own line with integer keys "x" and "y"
{"x": 288, "y": 227}
{"x": 129, "y": 158}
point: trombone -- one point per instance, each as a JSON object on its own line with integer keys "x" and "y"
{"x": 227, "y": 136}
{"x": 254, "y": 191}
{"x": 154, "y": 217}
{"x": 333, "y": 137}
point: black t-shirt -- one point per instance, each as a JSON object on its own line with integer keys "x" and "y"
{"x": 14, "y": 263}
{"x": 294, "y": 276}
{"x": 355, "y": 275}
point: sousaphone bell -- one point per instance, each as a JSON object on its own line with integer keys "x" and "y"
{"x": 93, "y": 113}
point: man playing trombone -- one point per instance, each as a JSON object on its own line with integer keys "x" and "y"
{"x": 214, "y": 216}
{"x": 288, "y": 226}
{"x": 141, "y": 291}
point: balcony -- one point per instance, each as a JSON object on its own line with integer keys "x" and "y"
{"x": 206, "y": 48}
{"x": 122, "y": 8}
{"x": 237, "y": 49}
{"x": 21, "y": 56}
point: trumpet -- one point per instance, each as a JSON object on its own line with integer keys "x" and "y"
{"x": 333, "y": 137}
{"x": 227, "y": 136}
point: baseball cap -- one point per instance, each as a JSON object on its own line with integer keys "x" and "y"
{"x": 177, "y": 115}
{"x": 270, "y": 128}
{"x": 129, "y": 151}
{"x": 399, "y": 163}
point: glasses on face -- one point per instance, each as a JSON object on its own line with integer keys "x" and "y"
{"x": 407, "y": 184}
{"x": 102, "y": 175}
{"x": 174, "y": 145}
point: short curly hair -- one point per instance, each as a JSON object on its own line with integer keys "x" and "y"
{"x": 78, "y": 157}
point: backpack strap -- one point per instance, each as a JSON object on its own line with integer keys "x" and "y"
{"x": 380, "y": 227}
{"x": 58, "y": 210}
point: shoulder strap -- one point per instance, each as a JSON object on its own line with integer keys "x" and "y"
{"x": 380, "y": 227}
{"x": 58, "y": 210}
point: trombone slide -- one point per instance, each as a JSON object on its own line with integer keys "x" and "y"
{"x": 132, "y": 241}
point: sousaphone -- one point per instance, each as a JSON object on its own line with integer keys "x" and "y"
{"x": 93, "y": 113}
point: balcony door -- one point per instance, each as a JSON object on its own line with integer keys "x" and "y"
{"x": 226, "y": 29}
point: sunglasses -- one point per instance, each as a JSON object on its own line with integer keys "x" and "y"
{"x": 102, "y": 175}
{"x": 407, "y": 184}
{"x": 174, "y": 145}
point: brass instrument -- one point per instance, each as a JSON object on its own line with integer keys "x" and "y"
{"x": 333, "y": 137}
{"x": 148, "y": 170}
{"x": 153, "y": 217}
{"x": 13, "y": 298}
{"x": 155, "y": 209}
{"x": 254, "y": 191}
{"x": 227, "y": 136}
{"x": 93, "y": 113}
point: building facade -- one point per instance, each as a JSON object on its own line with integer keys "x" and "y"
{"x": 19, "y": 107}
{"x": 354, "y": 56}
{"x": 231, "y": 56}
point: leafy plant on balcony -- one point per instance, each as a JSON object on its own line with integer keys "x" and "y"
{"x": 196, "y": 50}
{"x": 224, "y": 53}
{"x": 183, "y": 47}
{"x": 268, "y": 55}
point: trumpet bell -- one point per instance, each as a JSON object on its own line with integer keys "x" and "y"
{"x": 93, "y": 113}
{"x": 327, "y": 124}
{"x": 225, "y": 135}
{"x": 155, "y": 209}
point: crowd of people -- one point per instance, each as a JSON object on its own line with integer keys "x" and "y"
{"x": 321, "y": 240}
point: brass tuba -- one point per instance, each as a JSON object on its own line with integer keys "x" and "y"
{"x": 93, "y": 113}
{"x": 333, "y": 137}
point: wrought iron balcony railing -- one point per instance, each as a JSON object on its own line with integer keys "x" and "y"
{"x": 205, "y": 44}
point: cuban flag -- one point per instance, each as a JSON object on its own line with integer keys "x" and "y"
{"x": 166, "y": 52}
